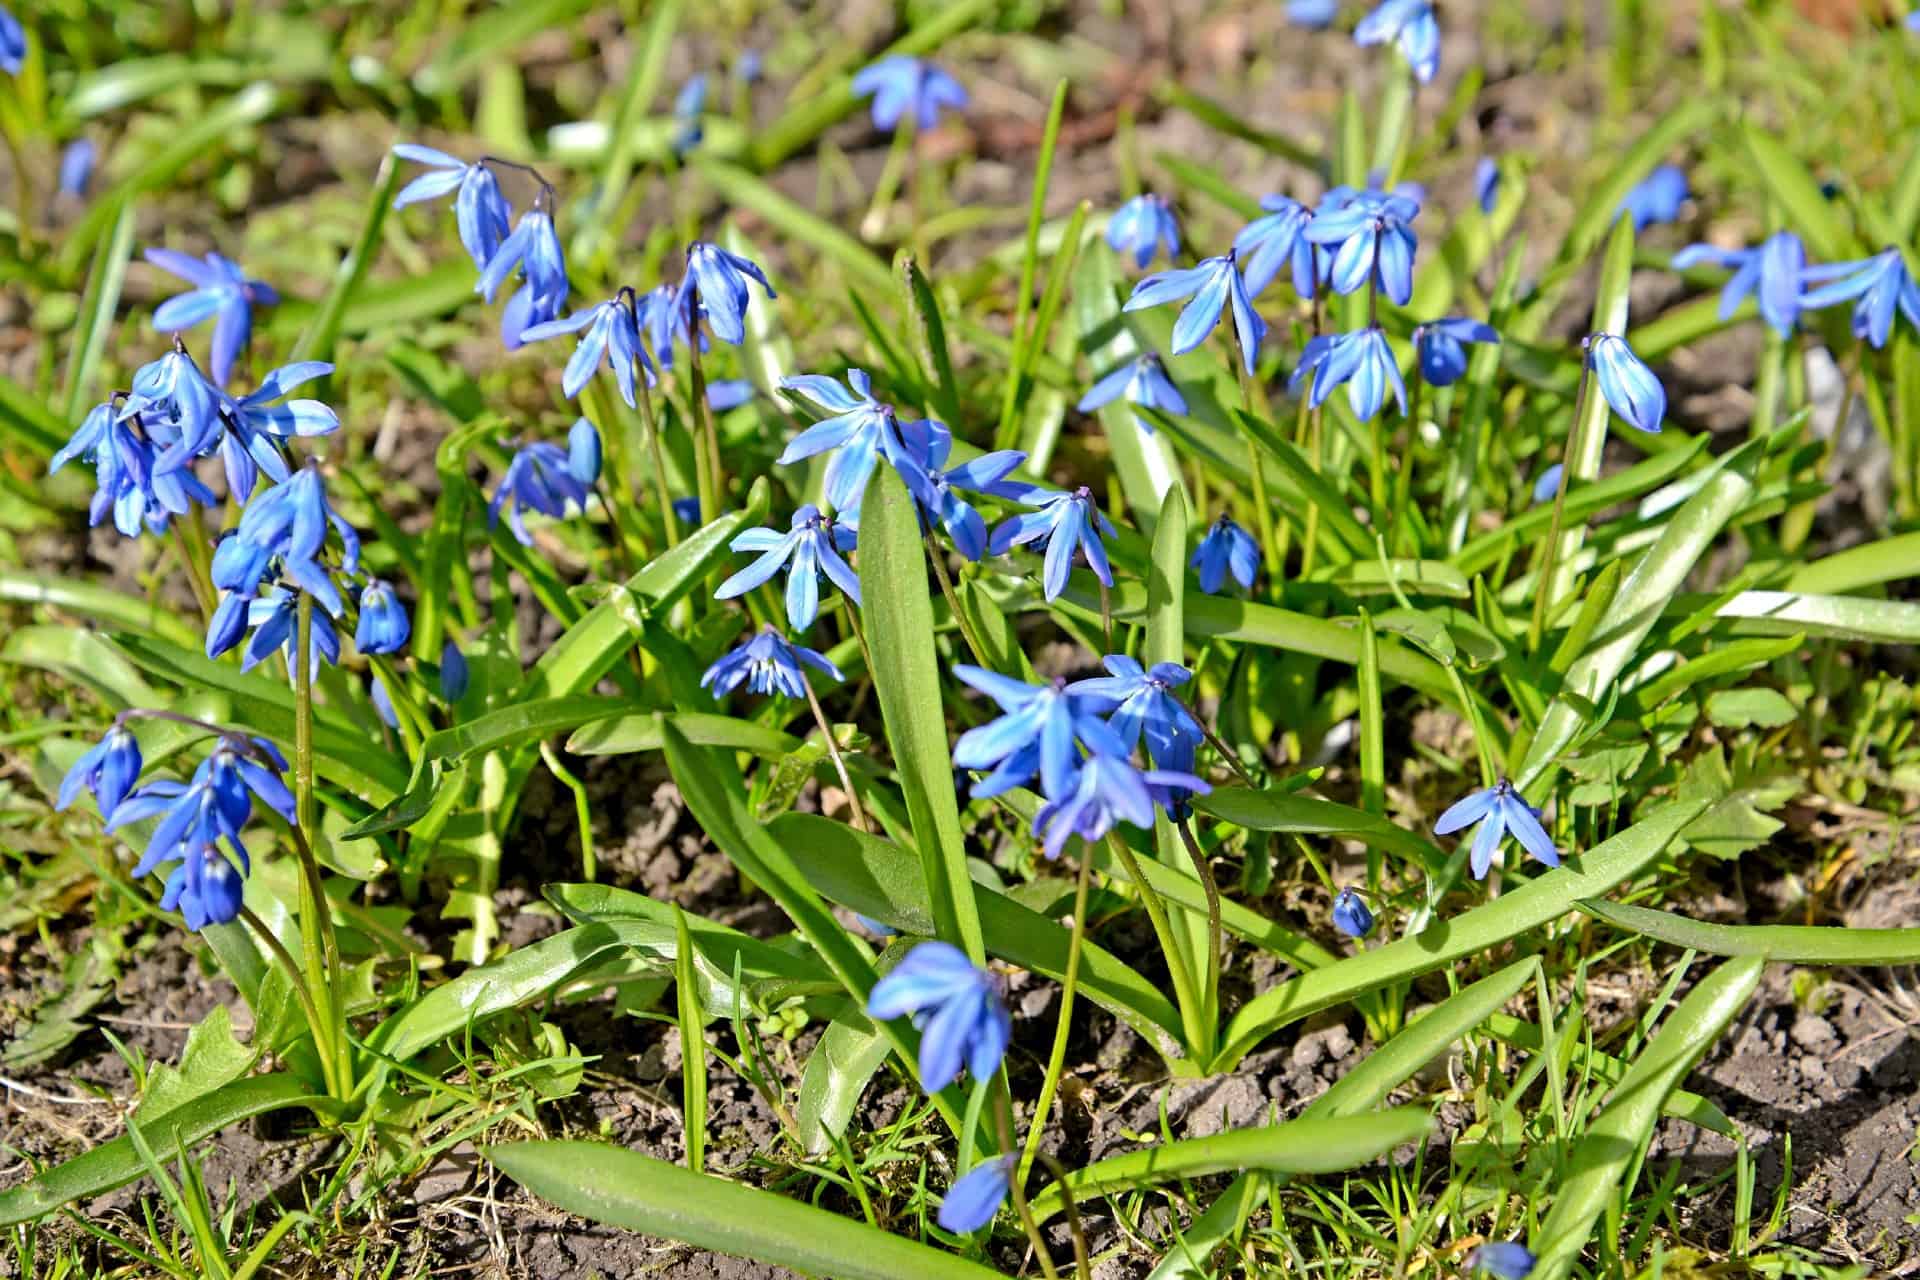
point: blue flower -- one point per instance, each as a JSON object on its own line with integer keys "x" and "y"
{"x": 221, "y": 290}
{"x": 1035, "y": 733}
{"x": 1141, "y": 226}
{"x": 1361, "y": 359}
{"x": 1498, "y": 809}
{"x": 728, "y": 393}
{"x": 1626, "y": 382}
{"x": 1147, "y": 707}
{"x": 538, "y": 478}
{"x": 718, "y": 280}
{"x": 174, "y": 401}
{"x": 612, "y": 334}
{"x": 127, "y": 483}
{"x": 1773, "y": 273}
{"x": 453, "y": 672}
{"x": 1350, "y": 915}
{"x": 663, "y": 323}
{"x": 959, "y": 1009}
{"x": 813, "y": 544}
{"x": 687, "y": 108}
{"x": 13, "y": 43}
{"x": 1312, "y": 13}
{"x": 747, "y": 66}
{"x": 1374, "y": 237}
{"x": 1411, "y": 25}
{"x": 1486, "y": 183}
{"x": 382, "y": 702}
{"x": 1880, "y": 284}
{"x": 1440, "y": 346}
{"x": 288, "y": 523}
{"x": 1656, "y": 198}
{"x": 1212, "y": 285}
{"x": 973, "y": 1200}
{"x": 899, "y": 83}
{"x": 1507, "y": 1259}
{"x": 922, "y": 463}
{"x": 76, "y": 167}
{"x": 686, "y": 510}
{"x": 108, "y": 769}
{"x": 860, "y": 428}
{"x": 384, "y": 626}
{"x": 1064, "y": 521}
{"x": 479, "y": 209}
{"x": 1106, "y": 790}
{"x": 583, "y": 452}
{"x": 255, "y": 428}
{"x": 1144, "y": 381}
{"x": 1272, "y": 241}
{"x": 767, "y": 663}
{"x": 1226, "y": 546}
{"x": 1548, "y": 484}
{"x": 274, "y": 618}
{"x": 534, "y": 251}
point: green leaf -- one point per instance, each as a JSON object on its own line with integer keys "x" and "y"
{"x": 27, "y": 420}
{"x": 90, "y": 600}
{"x": 1744, "y": 708}
{"x": 521, "y": 724}
{"x": 693, "y": 1045}
{"x": 1815, "y": 217}
{"x": 83, "y": 657}
{"x": 1785, "y": 943}
{"x": 323, "y": 331}
{"x": 97, "y": 308}
{"x": 490, "y": 36}
{"x": 1308, "y": 815}
{"x": 211, "y": 1060}
{"x": 1838, "y": 617}
{"x": 641, "y": 86}
{"x": 929, "y": 333}
{"x": 1604, "y": 1067}
{"x": 624, "y": 734}
{"x": 837, "y": 1071}
{"x": 1144, "y": 460}
{"x": 1867, "y": 565}
{"x": 624, "y": 1188}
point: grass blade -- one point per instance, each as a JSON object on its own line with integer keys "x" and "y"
{"x": 102, "y": 299}
{"x": 1788, "y": 943}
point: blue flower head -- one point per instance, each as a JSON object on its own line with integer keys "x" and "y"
{"x": 1141, "y": 226}
{"x": 1144, "y": 381}
{"x": 1035, "y": 732}
{"x": 686, "y": 510}
{"x": 1409, "y": 24}
{"x": 1506, "y": 1259}
{"x": 767, "y": 663}
{"x": 174, "y": 403}
{"x": 76, "y": 167}
{"x": 274, "y": 618}
{"x": 220, "y": 290}
{"x": 1148, "y": 708}
{"x": 1350, "y": 915}
{"x": 583, "y": 452}
{"x": 1362, "y": 360}
{"x": 108, "y": 769}
{"x": 812, "y": 545}
{"x": 717, "y": 281}
{"x": 973, "y": 1200}
{"x": 1772, "y": 272}
{"x": 1498, "y": 809}
{"x": 1656, "y": 198}
{"x": 479, "y": 210}
{"x": 1213, "y": 285}
{"x": 1064, "y": 521}
{"x": 382, "y": 702}
{"x": 13, "y": 43}
{"x": 728, "y": 393}
{"x": 1312, "y": 13}
{"x": 922, "y": 463}
{"x": 454, "y": 675}
{"x": 384, "y": 626}
{"x": 859, "y": 430}
{"x": 1877, "y": 285}
{"x": 533, "y": 250}
{"x": 1548, "y": 484}
{"x": 251, "y": 433}
{"x": 1370, "y": 235}
{"x": 1629, "y": 386}
{"x": 687, "y": 108}
{"x": 1486, "y": 183}
{"x": 128, "y": 483}
{"x": 664, "y": 322}
{"x": 1441, "y": 348}
{"x": 612, "y": 335}
{"x": 959, "y": 1009}
{"x": 539, "y": 478}
{"x": 901, "y": 84}
{"x": 287, "y": 525}
{"x": 1273, "y": 241}
{"x": 1106, "y": 790}
{"x": 1226, "y": 547}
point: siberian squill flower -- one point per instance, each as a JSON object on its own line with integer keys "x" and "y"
{"x": 221, "y": 290}
{"x": 1144, "y": 381}
{"x": 662, "y": 324}
{"x": 1106, "y": 789}
{"x": 811, "y": 546}
{"x": 256, "y": 427}
{"x": 76, "y": 167}
{"x": 1350, "y": 915}
{"x": 384, "y": 626}
{"x": 583, "y": 452}
{"x": 687, "y": 108}
{"x": 718, "y": 280}
{"x": 1370, "y": 235}
{"x": 1879, "y": 284}
{"x": 728, "y": 393}
{"x": 860, "y": 430}
{"x": 1629, "y": 386}
{"x": 274, "y": 618}
{"x": 1548, "y": 484}
{"x": 959, "y": 1009}
{"x": 1035, "y": 732}
{"x": 1486, "y": 183}
{"x": 1273, "y": 241}
{"x": 1064, "y": 521}
{"x": 126, "y": 483}
{"x": 533, "y": 250}
{"x": 1440, "y": 346}
{"x": 1362, "y": 360}
{"x": 1772, "y": 272}
{"x": 1148, "y": 708}
{"x": 1498, "y": 809}
{"x": 922, "y": 463}
{"x": 1506, "y": 1259}
{"x": 288, "y": 523}
{"x": 454, "y": 675}
{"x": 767, "y": 663}
{"x": 1226, "y": 547}
{"x": 539, "y": 479}
{"x": 479, "y": 210}
{"x": 174, "y": 401}
{"x": 899, "y": 85}
{"x": 1312, "y": 13}
{"x": 1656, "y": 198}
{"x": 1141, "y": 226}
{"x": 1409, "y": 24}
{"x": 612, "y": 335}
{"x": 13, "y": 43}
{"x": 108, "y": 769}
{"x": 1213, "y": 285}
{"x": 973, "y": 1200}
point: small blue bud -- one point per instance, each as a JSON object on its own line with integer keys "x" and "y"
{"x": 583, "y": 453}
{"x": 453, "y": 673}
{"x": 1350, "y": 915}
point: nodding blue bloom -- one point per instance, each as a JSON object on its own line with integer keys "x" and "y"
{"x": 384, "y": 626}
{"x": 479, "y": 209}
{"x": 13, "y": 43}
{"x": 275, "y": 621}
{"x": 1272, "y": 241}
{"x": 1312, "y": 13}
{"x": 1772, "y": 272}
{"x": 1361, "y": 359}
{"x": 287, "y": 523}
{"x": 1035, "y": 733}
{"x": 1141, "y": 226}
{"x": 1409, "y": 24}
{"x": 767, "y": 663}
{"x": 728, "y": 393}
{"x": 1064, "y": 521}
{"x": 812, "y": 545}
{"x": 1374, "y": 236}
{"x": 221, "y": 290}
{"x": 108, "y": 769}
{"x": 1507, "y": 1259}
{"x": 453, "y": 672}
{"x": 612, "y": 334}
{"x": 747, "y": 66}
{"x": 255, "y": 427}
{"x": 583, "y": 452}
{"x": 382, "y": 702}
{"x": 1107, "y": 789}
{"x": 1656, "y": 198}
{"x": 1148, "y": 708}
{"x": 534, "y": 251}
{"x": 1226, "y": 546}
{"x": 1440, "y": 346}
{"x": 959, "y": 1009}
{"x": 174, "y": 401}
{"x": 1880, "y": 284}
{"x": 1144, "y": 381}
{"x": 686, "y": 510}
{"x": 1498, "y": 809}
{"x": 1486, "y": 183}
{"x": 922, "y": 463}
{"x": 127, "y": 483}
{"x": 663, "y": 323}
{"x": 899, "y": 84}
{"x": 1350, "y": 915}
{"x": 538, "y": 478}
{"x": 687, "y": 107}
{"x": 1626, "y": 382}
{"x": 1212, "y": 285}
{"x": 76, "y": 167}
{"x": 718, "y": 281}
{"x": 861, "y": 429}
{"x": 976, "y": 1197}
{"x": 1548, "y": 484}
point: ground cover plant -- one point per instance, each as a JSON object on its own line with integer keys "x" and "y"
{"x": 998, "y": 638}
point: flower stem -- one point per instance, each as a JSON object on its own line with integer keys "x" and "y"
{"x": 1233, "y": 761}
{"x": 960, "y": 618}
{"x": 709, "y": 432}
{"x": 304, "y": 996}
{"x": 1204, "y": 870}
{"x": 833, "y": 752}
{"x": 661, "y": 494}
{"x": 316, "y": 919}
{"x": 1183, "y": 989}
{"x": 1543, "y": 580}
{"x": 1075, "y": 1232}
{"x": 1057, "y": 1056}
{"x": 192, "y": 540}
{"x": 1256, "y": 473}
{"x": 1016, "y": 1186}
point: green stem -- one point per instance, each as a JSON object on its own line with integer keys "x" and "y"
{"x": 661, "y": 493}
{"x": 953, "y": 601}
{"x": 1262, "y": 507}
{"x": 1204, "y": 870}
{"x": 1543, "y": 580}
{"x": 300, "y": 992}
{"x": 1057, "y": 1056}
{"x": 1016, "y": 1186}
{"x": 316, "y": 917}
{"x": 833, "y": 753}
{"x": 1183, "y": 990}
{"x": 191, "y": 536}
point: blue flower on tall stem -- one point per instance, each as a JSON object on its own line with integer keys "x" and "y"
{"x": 250, "y": 433}
{"x": 479, "y": 210}
{"x": 1548, "y": 484}
{"x": 1486, "y": 183}
{"x": 13, "y": 43}
{"x": 1213, "y": 285}
{"x": 1440, "y": 346}
{"x": 288, "y": 523}
{"x": 76, "y": 167}
{"x": 687, "y": 108}
{"x": 1351, "y": 916}
{"x": 583, "y": 452}
{"x": 1226, "y": 547}
{"x": 274, "y": 618}
{"x": 767, "y": 663}
{"x": 221, "y": 290}
{"x": 718, "y": 280}
{"x": 533, "y": 250}
{"x": 384, "y": 626}
{"x": 1105, "y": 790}
{"x": 1064, "y": 521}
{"x": 127, "y": 483}
{"x": 811, "y": 546}
{"x": 454, "y": 673}
{"x": 728, "y": 393}
{"x": 1144, "y": 381}
{"x": 1362, "y": 360}
{"x": 1142, "y": 226}
{"x": 1878, "y": 285}
{"x": 1656, "y": 198}
{"x": 1148, "y": 708}
{"x": 1035, "y": 733}
{"x": 1274, "y": 240}
{"x": 1629, "y": 386}
{"x": 959, "y": 1009}
{"x": 174, "y": 401}
{"x": 900, "y": 84}
{"x": 1370, "y": 235}
{"x": 612, "y": 334}
{"x": 1312, "y": 13}
{"x": 1409, "y": 24}
{"x": 539, "y": 478}
{"x": 922, "y": 463}
{"x": 1498, "y": 809}
{"x": 1772, "y": 272}
{"x": 972, "y": 1201}
{"x": 108, "y": 769}
{"x": 663, "y": 322}
{"x": 860, "y": 428}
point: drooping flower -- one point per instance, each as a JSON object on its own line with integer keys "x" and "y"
{"x": 249, "y": 433}
{"x": 718, "y": 281}
{"x": 922, "y": 463}
{"x": 539, "y": 479}
{"x": 1656, "y": 198}
{"x": 274, "y": 618}
{"x": 1141, "y": 226}
{"x": 76, "y": 167}
{"x": 973, "y": 1200}
{"x": 728, "y": 393}
{"x": 686, "y": 510}
{"x": 1409, "y": 24}
{"x": 1144, "y": 381}
{"x": 583, "y": 452}
{"x": 454, "y": 674}
{"x": 1362, "y": 360}
{"x": 1274, "y": 240}
{"x": 1441, "y": 347}
{"x": 860, "y": 430}
{"x": 533, "y": 250}
{"x": 1213, "y": 285}
{"x": 1226, "y": 546}
{"x": 1064, "y": 521}
{"x": 1035, "y": 733}
{"x": 384, "y": 626}
{"x": 13, "y": 43}
{"x": 1148, "y": 708}
{"x": 1351, "y": 916}
{"x": 1498, "y": 809}
{"x": 479, "y": 210}
{"x": 221, "y": 290}
{"x": 1106, "y": 789}
{"x": 901, "y": 84}
{"x": 663, "y": 322}
{"x": 767, "y": 663}
{"x": 1507, "y": 1259}
{"x": 688, "y": 105}
{"x": 1879, "y": 284}
{"x": 1548, "y": 484}
{"x": 287, "y": 524}
{"x": 126, "y": 481}
{"x": 108, "y": 769}
{"x": 812, "y": 545}
{"x": 959, "y": 1009}
{"x": 1370, "y": 235}
{"x": 1772, "y": 272}
{"x": 1486, "y": 183}
{"x": 612, "y": 335}
{"x": 1629, "y": 386}
{"x": 174, "y": 401}
{"x": 382, "y": 702}
{"x": 1312, "y": 13}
